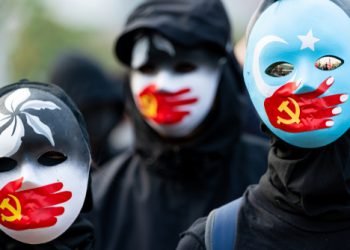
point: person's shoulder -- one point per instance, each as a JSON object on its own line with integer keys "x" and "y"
{"x": 194, "y": 237}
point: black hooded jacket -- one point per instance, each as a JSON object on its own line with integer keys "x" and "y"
{"x": 301, "y": 202}
{"x": 146, "y": 197}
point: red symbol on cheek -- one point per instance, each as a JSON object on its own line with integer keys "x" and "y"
{"x": 303, "y": 112}
{"x": 162, "y": 107}
{"x": 31, "y": 208}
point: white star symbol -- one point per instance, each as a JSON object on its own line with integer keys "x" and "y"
{"x": 308, "y": 41}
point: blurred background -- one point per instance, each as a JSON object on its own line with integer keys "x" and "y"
{"x": 34, "y": 33}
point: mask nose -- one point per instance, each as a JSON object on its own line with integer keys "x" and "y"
{"x": 165, "y": 81}
{"x": 30, "y": 178}
{"x": 307, "y": 82}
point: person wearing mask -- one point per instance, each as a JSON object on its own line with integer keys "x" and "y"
{"x": 303, "y": 200}
{"x": 44, "y": 178}
{"x": 190, "y": 154}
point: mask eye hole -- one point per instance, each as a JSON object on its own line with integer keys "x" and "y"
{"x": 148, "y": 69}
{"x": 51, "y": 158}
{"x": 327, "y": 63}
{"x": 279, "y": 69}
{"x": 184, "y": 67}
{"x": 7, "y": 164}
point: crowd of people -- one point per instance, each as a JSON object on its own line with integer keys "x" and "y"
{"x": 222, "y": 157}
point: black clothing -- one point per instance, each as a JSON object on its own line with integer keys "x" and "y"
{"x": 302, "y": 202}
{"x": 138, "y": 207}
{"x": 147, "y": 196}
{"x": 194, "y": 237}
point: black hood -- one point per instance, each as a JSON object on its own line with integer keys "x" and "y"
{"x": 188, "y": 23}
{"x": 309, "y": 182}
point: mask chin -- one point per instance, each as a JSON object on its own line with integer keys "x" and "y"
{"x": 173, "y": 131}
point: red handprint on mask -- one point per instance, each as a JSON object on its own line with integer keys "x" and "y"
{"x": 31, "y": 208}
{"x": 303, "y": 112}
{"x": 161, "y": 107}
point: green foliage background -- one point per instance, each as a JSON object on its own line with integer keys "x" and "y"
{"x": 41, "y": 40}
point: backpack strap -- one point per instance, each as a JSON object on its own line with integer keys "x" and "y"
{"x": 220, "y": 230}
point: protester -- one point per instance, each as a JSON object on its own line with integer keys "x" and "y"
{"x": 45, "y": 161}
{"x": 303, "y": 200}
{"x": 190, "y": 154}
{"x": 98, "y": 97}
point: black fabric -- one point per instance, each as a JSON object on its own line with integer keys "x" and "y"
{"x": 138, "y": 208}
{"x": 194, "y": 237}
{"x": 146, "y": 197}
{"x": 310, "y": 182}
{"x": 302, "y": 202}
{"x": 271, "y": 228}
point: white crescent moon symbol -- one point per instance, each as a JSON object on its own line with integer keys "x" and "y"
{"x": 264, "y": 88}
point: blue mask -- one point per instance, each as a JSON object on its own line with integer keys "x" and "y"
{"x": 297, "y": 71}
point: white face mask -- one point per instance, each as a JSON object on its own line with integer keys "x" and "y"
{"x": 44, "y": 166}
{"x": 174, "y": 88}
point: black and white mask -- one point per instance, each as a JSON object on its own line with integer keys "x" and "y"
{"x": 173, "y": 87}
{"x": 44, "y": 164}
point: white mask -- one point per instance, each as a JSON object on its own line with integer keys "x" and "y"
{"x": 174, "y": 88}
{"x": 44, "y": 163}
